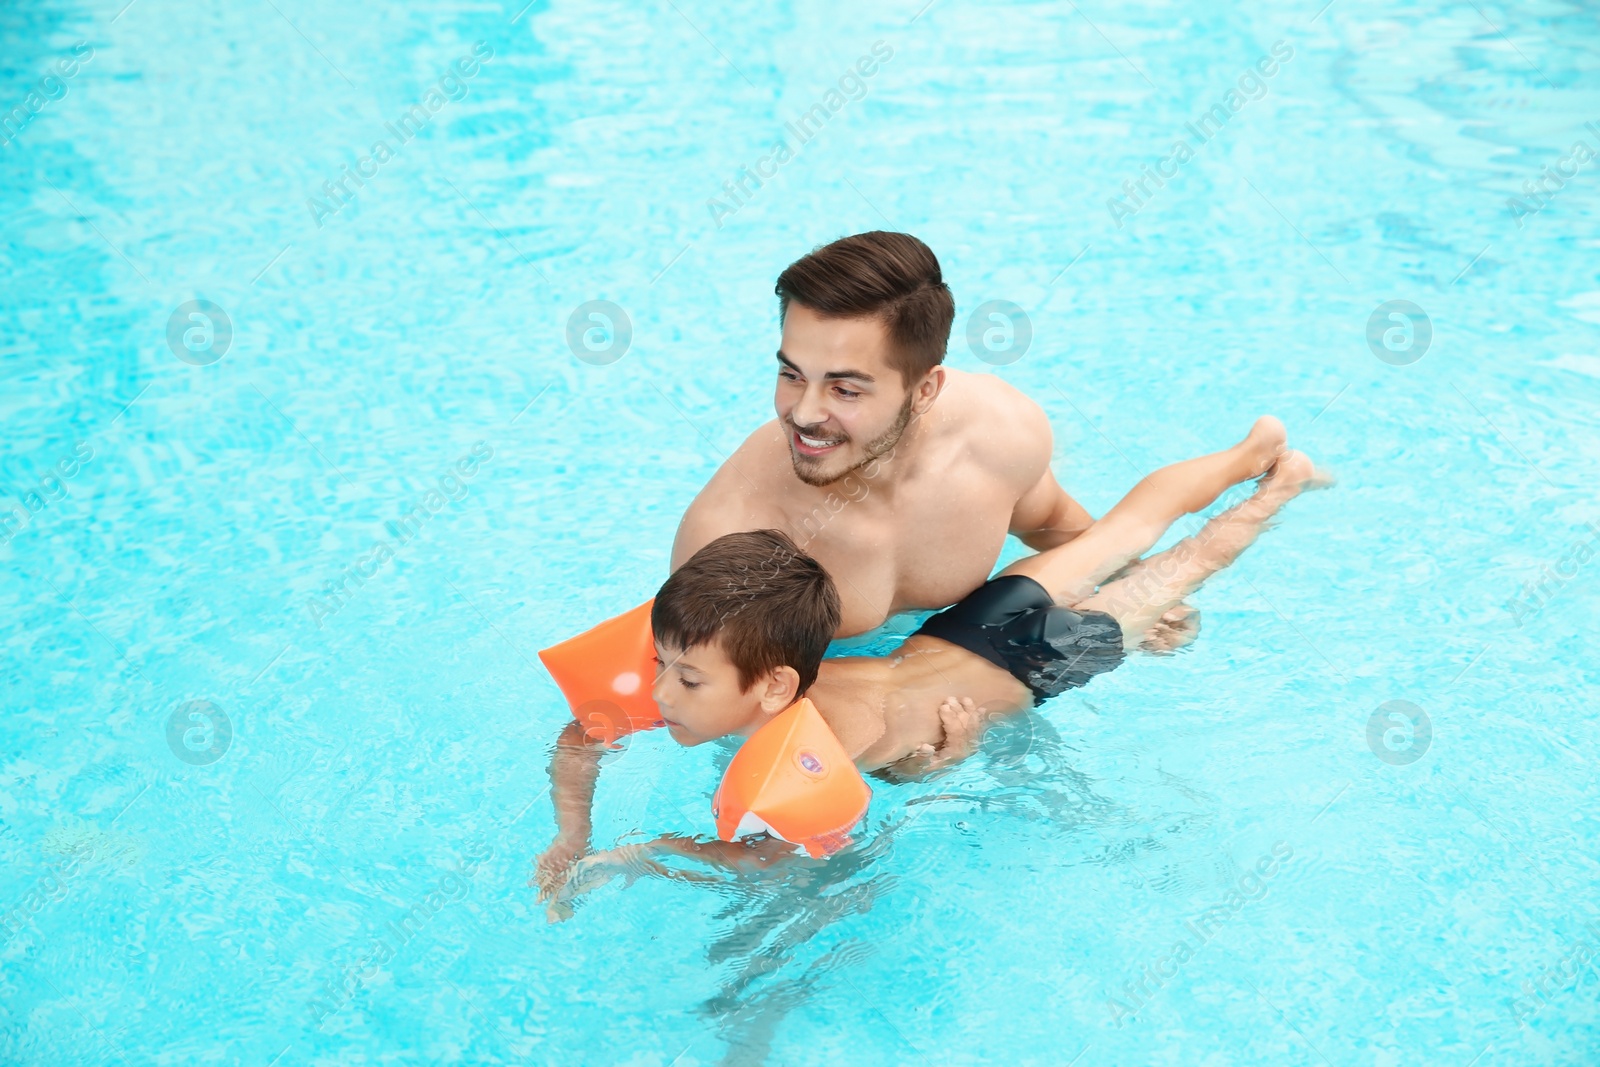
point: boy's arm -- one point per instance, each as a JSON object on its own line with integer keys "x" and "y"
{"x": 573, "y": 770}
{"x": 632, "y": 861}
{"x": 566, "y": 872}
{"x": 753, "y": 853}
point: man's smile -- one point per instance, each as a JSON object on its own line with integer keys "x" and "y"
{"x": 812, "y": 446}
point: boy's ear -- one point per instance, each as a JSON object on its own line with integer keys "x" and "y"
{"x": 780, "y": 689}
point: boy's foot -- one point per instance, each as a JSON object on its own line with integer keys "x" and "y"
{"x": 1265, "y": 442}
{"x": 1174, "y": 630}
{"x": 1294, "y": 473}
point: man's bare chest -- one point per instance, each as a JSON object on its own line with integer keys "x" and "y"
{"x": 921, "y": 555}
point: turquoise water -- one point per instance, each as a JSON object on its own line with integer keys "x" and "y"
{"x": 324, "y": 860}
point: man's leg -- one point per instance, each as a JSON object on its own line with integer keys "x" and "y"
{"x": 1071, "y": 571}
{"x": 1139, "y": 598}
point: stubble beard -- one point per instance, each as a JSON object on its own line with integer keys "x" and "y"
{"x": 810, "y": 472}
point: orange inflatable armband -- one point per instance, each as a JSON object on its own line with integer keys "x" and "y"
{"x": 606, "y": 674}
{"x": 793, "y": 780}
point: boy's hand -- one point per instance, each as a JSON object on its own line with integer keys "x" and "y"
{"x": 556, "y": 864}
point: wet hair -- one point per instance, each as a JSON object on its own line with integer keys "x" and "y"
{"x": 892, "y": 277}
{"x": 768, "y": 603}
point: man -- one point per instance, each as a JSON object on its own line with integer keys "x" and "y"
{"x": 900, "y": 476}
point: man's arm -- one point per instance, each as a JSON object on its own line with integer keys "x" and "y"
{"x": 1044, "y": 515}
{"x": 703, "y": 523}
{"x": 735, "y": 498}
{"x": 574, "y": 768}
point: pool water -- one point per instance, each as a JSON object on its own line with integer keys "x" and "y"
{"x": 303, "y": 468}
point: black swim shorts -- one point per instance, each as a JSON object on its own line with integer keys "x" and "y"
{"x": 1012, "y": 622}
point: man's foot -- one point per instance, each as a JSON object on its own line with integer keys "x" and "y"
{"x": 1264, "y": 444}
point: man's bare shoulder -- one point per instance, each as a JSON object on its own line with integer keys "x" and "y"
{"x": 1005, "y": 429}
{"x": 993, "y": 398}
{"x": 741, "y": 495}
{"x": 758, "y": 466}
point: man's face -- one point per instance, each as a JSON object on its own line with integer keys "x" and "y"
{"x": 839, "y": 401}
{"x": 697, "y": 691}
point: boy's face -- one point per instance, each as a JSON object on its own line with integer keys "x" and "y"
{"x": 697, "y": 690}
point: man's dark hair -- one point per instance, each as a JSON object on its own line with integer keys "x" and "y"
{"x": 769, "y": 604}
{"x": 892, "y": 277}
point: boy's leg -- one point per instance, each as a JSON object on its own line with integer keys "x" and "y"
{"x": 1138, "y": 599}
{"x": 1071, "y": 571}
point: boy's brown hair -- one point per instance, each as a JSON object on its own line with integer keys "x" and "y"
{"x": 769, "y": 604}
{"x": 892, "y": 277}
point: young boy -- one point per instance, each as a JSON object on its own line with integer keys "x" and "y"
{"x": 741, "y": 629}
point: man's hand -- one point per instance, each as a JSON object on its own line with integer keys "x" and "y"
{"x": 964, "y": 723}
